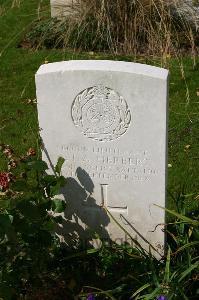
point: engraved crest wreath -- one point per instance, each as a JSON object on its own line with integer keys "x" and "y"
{"x": 100, "y": 113}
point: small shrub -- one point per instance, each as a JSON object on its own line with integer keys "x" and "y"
{"x": 27, "y": 230}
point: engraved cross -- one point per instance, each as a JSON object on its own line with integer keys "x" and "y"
{"x": 104, "y": 202}
{"x": 104, "y": 196}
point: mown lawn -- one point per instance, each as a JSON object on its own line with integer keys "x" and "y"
{"x": 18, "y": 115}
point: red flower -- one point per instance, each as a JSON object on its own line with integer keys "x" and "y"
{"x": 4, "y": 181}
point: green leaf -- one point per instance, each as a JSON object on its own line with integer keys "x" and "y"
{"x": 189, "y": 270}
{"x": 153, "y": 269}
{"x": 38, "y": 165}
{"x": 49, "y": 179}
{"x": 187, "y": 246}
{"x": 59, "y": 165}
{"x": 31, "y": 210}
{"x": 49, "y": 225}
{"x": 55, "y": 189}
{"x": 189, "y": 195}
{"x": 167, "y": 267}
{"x": 5, "y": 221}
{"x": 152, "y": 295}
{"x": 181, "y": 217}
{"x": 142, "y": 288}
{"x": 20, "y": 185}
{"x": 58, "y": 205}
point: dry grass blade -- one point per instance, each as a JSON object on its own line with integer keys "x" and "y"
{"x": 152, "y": 27}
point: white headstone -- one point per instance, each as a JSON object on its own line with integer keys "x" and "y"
{"x": 108, "y": 120}
{"x": 61, "y": 8}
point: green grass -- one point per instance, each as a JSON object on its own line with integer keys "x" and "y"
{"x": 113, "y": 271}
{"x": 18, "y": 117}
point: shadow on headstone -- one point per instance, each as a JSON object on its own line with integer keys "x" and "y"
{"x": 84, "y": 220}
{"x": 85, "y": 180}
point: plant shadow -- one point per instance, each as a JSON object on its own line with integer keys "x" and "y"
{"x": 83, "y": 220}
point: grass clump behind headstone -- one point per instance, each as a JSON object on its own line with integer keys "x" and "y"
{"x": 149, "y": 27}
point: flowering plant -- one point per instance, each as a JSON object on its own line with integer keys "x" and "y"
{"x": 27, "y": 229}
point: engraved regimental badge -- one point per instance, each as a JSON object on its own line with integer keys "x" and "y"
{"x": 100, "y": 113}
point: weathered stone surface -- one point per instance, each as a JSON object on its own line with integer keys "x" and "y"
{"x": 61, "y": 8}
{"x": 109, "y": 121}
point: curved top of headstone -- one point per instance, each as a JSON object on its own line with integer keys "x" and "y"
{"x": 103, "y": 65}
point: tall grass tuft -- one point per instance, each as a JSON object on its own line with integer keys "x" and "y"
{"x": 149, "y": 27}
